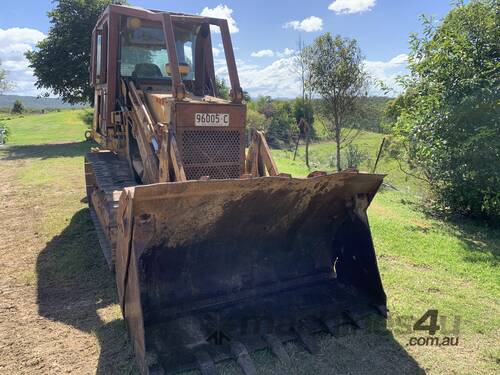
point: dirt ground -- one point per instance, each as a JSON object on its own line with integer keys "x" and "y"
{"x": 57, "y": 306}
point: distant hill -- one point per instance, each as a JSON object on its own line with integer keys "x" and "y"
{"x": 33, "y": 102}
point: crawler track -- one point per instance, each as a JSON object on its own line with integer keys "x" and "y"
{"x": 106, "y": 176}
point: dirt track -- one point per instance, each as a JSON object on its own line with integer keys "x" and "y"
{"x": 56, "y": 304}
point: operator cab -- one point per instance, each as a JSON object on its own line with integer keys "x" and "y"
{"x": 156, "y": 70}
{"x": 144, "y": 56}
{"x": 162, "y": 53}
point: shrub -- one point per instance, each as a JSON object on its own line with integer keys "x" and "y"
{"x": 255, "y": 120}
{"x": 5, "y": 130}
{"x": 18, "y": 107}
{"x": 222, "y": 88}
{"x": 281, "y": 129}
{"x": 446, "y": 123}
{"x": 305, "y": 110}
{"x": 352, "y": 157}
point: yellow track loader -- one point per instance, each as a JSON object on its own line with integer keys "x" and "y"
{"x": 216, "y": 253}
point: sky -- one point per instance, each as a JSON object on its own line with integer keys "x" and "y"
{"x": 265, "y": 35}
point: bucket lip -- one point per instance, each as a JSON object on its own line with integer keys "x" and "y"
{"x": 357, "y": 182}
{"x": 337, "y": 176}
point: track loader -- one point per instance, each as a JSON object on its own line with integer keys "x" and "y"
{"x": 216, "y": 253}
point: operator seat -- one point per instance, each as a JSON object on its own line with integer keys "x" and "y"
{"x": 146, "y": 70}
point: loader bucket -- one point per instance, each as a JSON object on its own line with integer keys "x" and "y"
{"x": 212, "y": 270}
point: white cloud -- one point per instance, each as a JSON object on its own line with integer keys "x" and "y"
{"x": 19, "y": 35}
{"x": 387, "y": 72}
{"x": 14, "y": 52}
{"x": 400, "y": 59}
{"x": 216, "y": 51}
{"x": 221, "y": 11}
{"x": 286, "y": 52}
{"x": 270, "y": 53}
{"x": 263, "y": 53}
{"x": 351, "y": 6}
{"x": 14, "y": 42}
{"x": 277, "y": 79}
{"x": 308, "y": 25}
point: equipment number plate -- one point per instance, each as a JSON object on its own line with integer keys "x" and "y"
{"x": 211, "y": 119}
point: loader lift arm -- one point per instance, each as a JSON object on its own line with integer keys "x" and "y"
{"x": 144, "y": 132}
{"x": 160, "y": 157}
{"x": 259, "y": 160}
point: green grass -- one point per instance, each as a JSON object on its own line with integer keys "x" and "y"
{"x": 320, "y": 159}
{"x": 425, "y": 263}
{"x": 8, "y": 116}
{"x": 445, "y": 265}
{"x": 63, "y": 126}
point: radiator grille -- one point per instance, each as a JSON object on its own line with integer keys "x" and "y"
{"x": 194, "y": 172}
{"x": 214, "y": 153}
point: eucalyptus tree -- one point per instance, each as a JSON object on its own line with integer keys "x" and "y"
{"x": 337, "y": 75}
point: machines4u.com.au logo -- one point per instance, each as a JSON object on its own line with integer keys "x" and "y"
{"x": 432, "y": 323}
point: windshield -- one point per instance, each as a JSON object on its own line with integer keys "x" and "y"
{"x": 144, "y": 54}
{"x": 184, "y": 42}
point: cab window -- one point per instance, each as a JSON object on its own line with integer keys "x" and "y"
{"x": 144, "y": 53}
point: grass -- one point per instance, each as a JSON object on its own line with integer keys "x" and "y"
{"x": 320, "y": 159}
{"x": 425, "y": 263}
{"x": 63, "y": 126}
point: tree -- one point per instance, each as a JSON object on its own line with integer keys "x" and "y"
{"x": 448, "y": 119}
{"x": 264, "y": 105}
{"x": 256, "y": 120}
{"x": 279, "y": 121}
{"x": 337, "y": 75}
{"x": 18, "y": 107}
{"x": 369, "y": 114}
{"x": 3, "y": 79}
{"x": 4, "y": 84}
{"x": 222, "y": 88}
{"x": 282, "y": 128}
{"x": 303, "y": 116}
{"x": 246, "y": 97}
{"x": 303, "y": 112}
{"x": 61, "y": 61}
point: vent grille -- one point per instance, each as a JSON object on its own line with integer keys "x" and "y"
{"x": 218, "y": 172}
{"x": 214, "y": 153}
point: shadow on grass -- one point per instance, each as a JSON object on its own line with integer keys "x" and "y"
{"x": 480, "y": 241}
{"x": 87, "y": 117}
{"x": 372, "y": 350}
{"x": 480, "y": 238}
{"x": 47, "y": 151}
{"x": 74, "y": 283}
